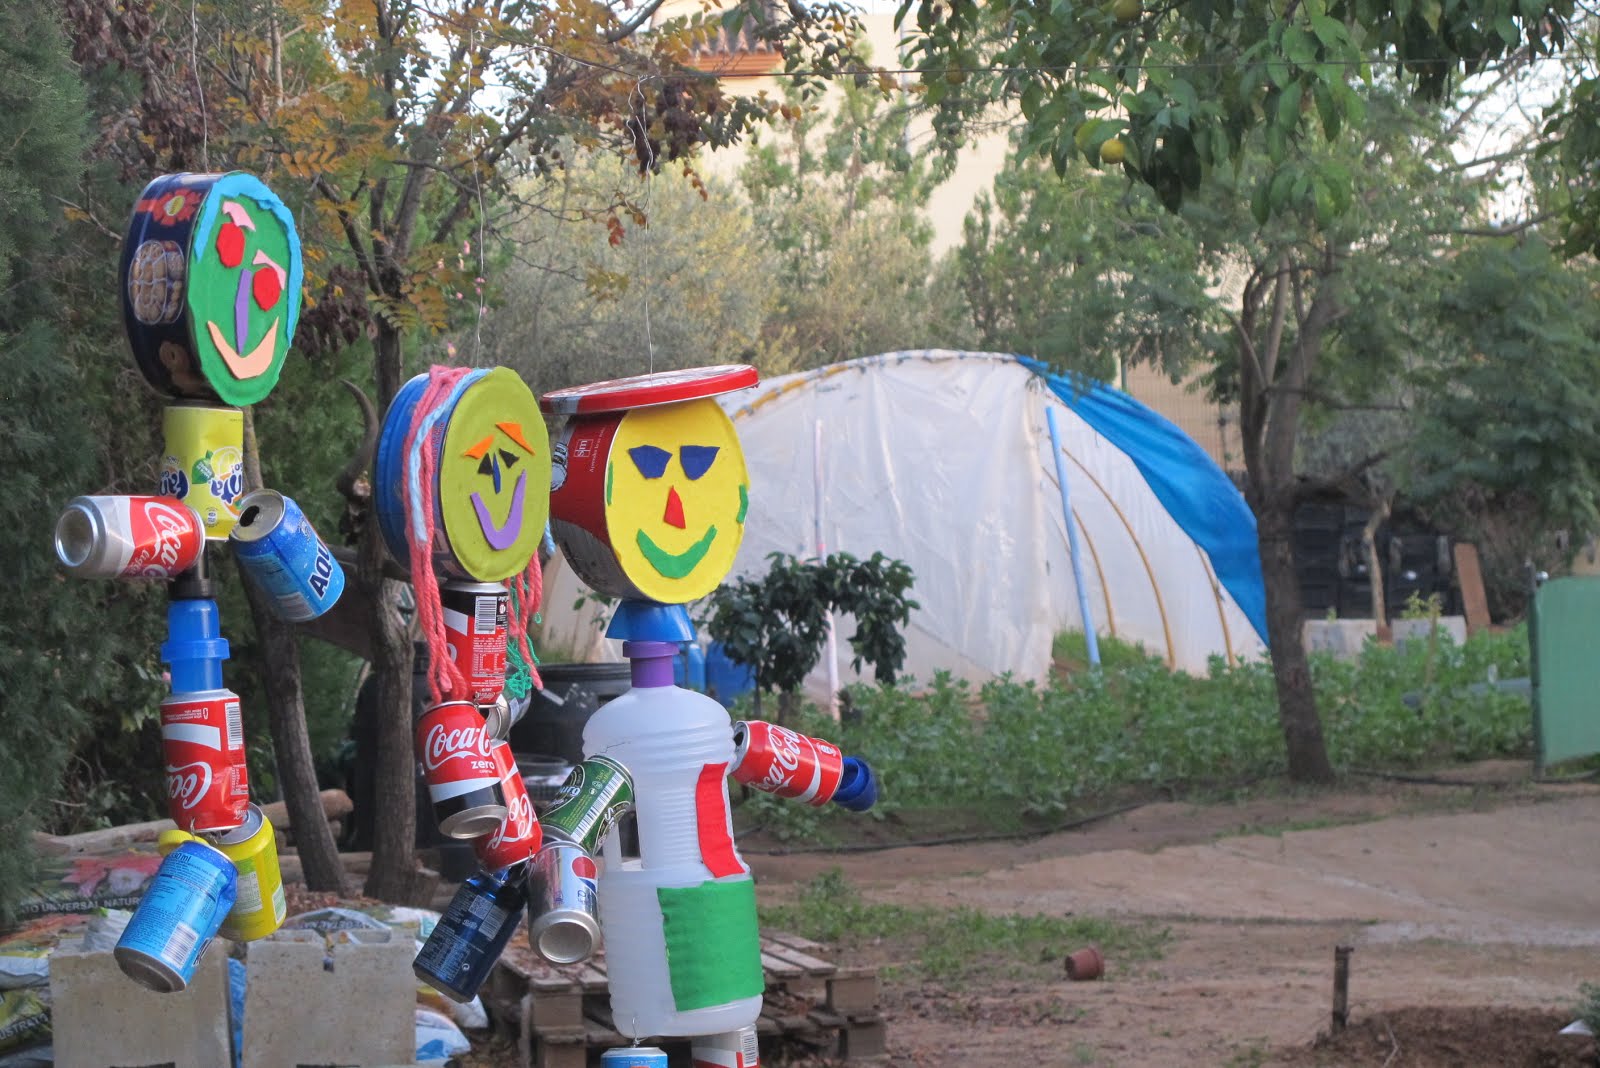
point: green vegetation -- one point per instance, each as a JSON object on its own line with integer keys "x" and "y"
{"x": 1026, "y": 752}
{"x": 956, "y": 945}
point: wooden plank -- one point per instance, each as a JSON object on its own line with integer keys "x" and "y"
{"x": 556, "y": 1011}
{"x": 1469, "y": 575}
{"x": 801, "y": 959}
{"x": 794, "y": 941}
{"x": 593, "y": 980}
{"x": 777, "y": 966}
{"x": 851, "y": 994}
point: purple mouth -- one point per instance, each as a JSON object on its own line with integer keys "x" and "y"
{"x": 502, "y": 536}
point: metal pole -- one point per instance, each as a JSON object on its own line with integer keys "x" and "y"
{"x": 1072, "y": 541}
{"x": 831, "y": 654}
{"x": 1341, "y": 987}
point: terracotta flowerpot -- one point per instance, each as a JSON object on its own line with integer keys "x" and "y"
{"x": 1085, "y": 964}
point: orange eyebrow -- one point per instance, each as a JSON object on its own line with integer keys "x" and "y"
{"x": 514, "y": 432}
{"x": 477, "y": 451}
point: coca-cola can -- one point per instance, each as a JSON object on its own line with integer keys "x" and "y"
{"x": 463, "y": 782}
{"x": 518, "y": 836}
{"x": 780, "y": 761}
{"x": 202, "y": 744}
{"x": 128, "y": 537}
{"x": 475, "y": 616}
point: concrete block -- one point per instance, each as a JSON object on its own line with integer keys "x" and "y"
{"x": 1341, "y": 637}
{"x": 103, "y": 1019}
{"x": 1407, "y": 631}
{"x": 358, "y": 1014}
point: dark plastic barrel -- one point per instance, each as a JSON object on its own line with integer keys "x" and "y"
{"x": 553, "y": 725}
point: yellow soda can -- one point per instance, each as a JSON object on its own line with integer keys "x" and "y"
{"x": 260, "y": 907}
{"x": 204, "y": 463}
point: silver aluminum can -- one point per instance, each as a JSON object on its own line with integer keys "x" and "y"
{"x": 497, "y": 718}
{"x": 563, "y": 906}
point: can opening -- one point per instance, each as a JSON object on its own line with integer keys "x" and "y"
{"x": 260, "y": 512}
{"x": 248, "y": 516}
{"x": 74, "y": 537}
{"x": 566, "y": 942}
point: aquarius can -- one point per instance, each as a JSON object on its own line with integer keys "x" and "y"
{"x": 128, "y": 537}
{"x": 259, "y": 908}
{"x": 519, "y": 835}
{"x": 475, "y": 615}
{"x": 634, "y": 1057}
{"x": 203, "y": 462}
{"x": 177, "y": 918}
{"x": 463, "y": 781}
{"x": 280, "y": 551}
{"x": 731, "y": 1049}
{"x": 563, "y": 903}
{"x": 595, "y": 796}
{"x": 202, "y": 745}
{"x": 780, "y": 761}
{"x": 472, "y": 933}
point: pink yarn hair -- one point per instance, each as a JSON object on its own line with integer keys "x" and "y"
{"x": 445, "y": 680}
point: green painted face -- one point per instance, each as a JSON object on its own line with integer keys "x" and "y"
{"x": 244, "y": 288}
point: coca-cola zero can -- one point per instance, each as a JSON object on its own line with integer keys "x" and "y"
{"x": 518, "y": 836}
{"x": 202, "y": 744}
{"x": 453, "y": 745}
{"x": 128, "y": 537}
{"x": 787, "y": 763}
{"x": 475, "y": 616}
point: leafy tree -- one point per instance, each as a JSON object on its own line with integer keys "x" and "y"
{"x": 1191, "y": 86}
{"x": 777, "y": 624}
{"x": 70, "y": 653}
{"x": 840, "y": 197}
{"x": 1323, "y": 318}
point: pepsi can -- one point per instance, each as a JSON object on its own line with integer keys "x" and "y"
{"x": 280, "y": 551}
{"x": 634, "y": 1057}
{"x": 179, "y": 915}
{"x": 469, "y": 937}
{"x": 563, "y": 903}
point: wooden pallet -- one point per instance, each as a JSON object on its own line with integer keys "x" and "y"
{"x": 559, "y": 1015}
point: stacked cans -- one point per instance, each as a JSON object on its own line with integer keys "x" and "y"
{"x": 563, "y": 886}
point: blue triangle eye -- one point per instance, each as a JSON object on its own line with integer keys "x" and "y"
{"x": 697, "y": 459}
{"x": 651, "y": 461}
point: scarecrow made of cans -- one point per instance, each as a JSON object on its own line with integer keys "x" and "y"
{"x": 646, "y": 492}
{"x": 211, "y": 281}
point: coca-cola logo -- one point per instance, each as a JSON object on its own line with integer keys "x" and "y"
{"x": 189, "y": 783}
{"x": 171, "y": 526}
{"x": 785, "y": 758}
{"x": 518, "y": 824}
{"x": 444, "y": 742}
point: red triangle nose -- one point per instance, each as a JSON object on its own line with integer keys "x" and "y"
{"x": 674, "y": 516}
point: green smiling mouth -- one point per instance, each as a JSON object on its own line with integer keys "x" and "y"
{"x": 676, "y": 565}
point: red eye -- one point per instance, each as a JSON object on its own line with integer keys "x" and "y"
{"x": 230, "y": 245}
{"x": 266, "y": 288}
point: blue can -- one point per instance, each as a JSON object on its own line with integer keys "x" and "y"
{"x": 278, "y": 548}
{"x": 179, "y": 915}
{"x": 472, "y": 933}
{"x": 634, "y": 1057}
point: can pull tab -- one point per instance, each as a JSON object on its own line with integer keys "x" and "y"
{"x": 172, "y": 839}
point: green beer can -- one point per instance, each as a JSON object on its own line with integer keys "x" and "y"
{"x": 595, "y": 796}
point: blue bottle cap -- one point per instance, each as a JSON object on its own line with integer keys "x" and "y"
{"x": 858, "y": 787}
{"x": 194, "y": 647}
{"x": 647, "y": 621}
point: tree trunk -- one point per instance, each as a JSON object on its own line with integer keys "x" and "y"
{"x": 1291, "y": 671}
{"x": 394, "y": 876}
{"x": 1369, "y": 546}
{"x": 286, "y": 718}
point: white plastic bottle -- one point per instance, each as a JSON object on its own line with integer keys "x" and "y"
{"x": 677, "y": 744}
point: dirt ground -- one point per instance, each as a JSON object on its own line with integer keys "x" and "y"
{"x": 1474, "y": 912}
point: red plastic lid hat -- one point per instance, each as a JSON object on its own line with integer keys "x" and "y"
{"x": 643, "y": 391}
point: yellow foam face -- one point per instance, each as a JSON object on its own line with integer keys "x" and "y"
{"x": 676, "y": 497}
{"x": 494, "y": 477}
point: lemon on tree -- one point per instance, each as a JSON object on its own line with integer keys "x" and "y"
{"x": 1127, "y": 10}
{"x": 1113, "y": 151}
